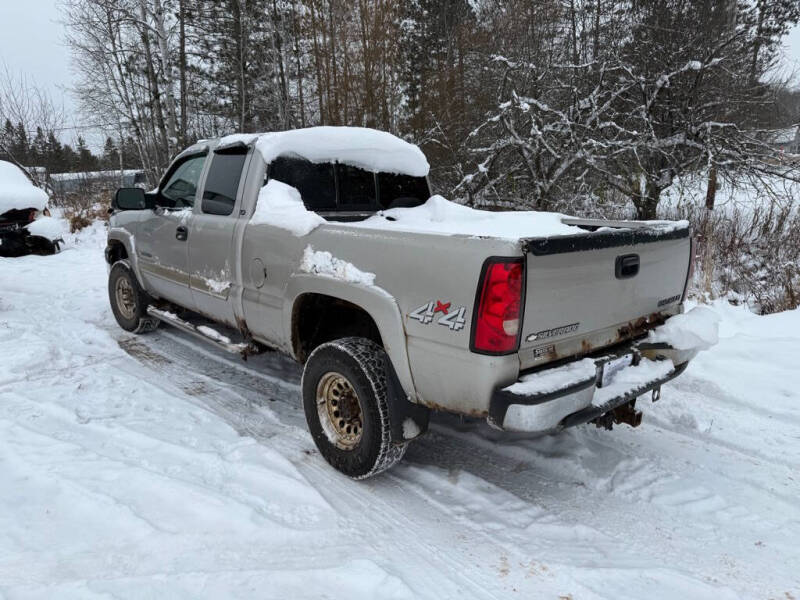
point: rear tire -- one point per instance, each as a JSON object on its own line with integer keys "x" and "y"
{"x": 129, "y": 301}
{"x": 345, "y": 398}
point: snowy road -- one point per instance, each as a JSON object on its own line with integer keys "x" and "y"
{"x": 152, "y": 466}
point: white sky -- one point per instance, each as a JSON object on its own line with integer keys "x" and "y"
{"x": 32, "y": 43}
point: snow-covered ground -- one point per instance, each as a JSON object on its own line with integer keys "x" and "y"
{"x": 741, "y": 194}
{"x": 154, "y": 466}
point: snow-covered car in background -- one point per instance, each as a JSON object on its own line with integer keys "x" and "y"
{"x": 26, "y": 226}
{"x": 325, "y": 243}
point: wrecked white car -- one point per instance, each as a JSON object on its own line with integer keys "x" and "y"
{"x": 26, "y": 226}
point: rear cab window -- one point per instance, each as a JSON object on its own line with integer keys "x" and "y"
{"x": 315, "y": 182}
{"x": 343, "y": 192}
{"x": 398, "y": 191}
{"x": 357, "y": 188}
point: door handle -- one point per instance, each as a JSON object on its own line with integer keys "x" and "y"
{"x": 626, "y": 266}
{"x": 181, "y": 233}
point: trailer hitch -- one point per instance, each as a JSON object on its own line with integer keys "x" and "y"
{"x": 625, "y": 413}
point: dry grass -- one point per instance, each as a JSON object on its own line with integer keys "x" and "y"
{"x": 750, "y": 256}
{"x": 85, "y": 207}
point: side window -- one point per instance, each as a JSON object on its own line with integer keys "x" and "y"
{"x": 315, "y": 182}
{"x": 356, "y": 187}
{"x": 222, "y": 182}
{"x": 402, "y": 190}
{"x": 181, "y": 187}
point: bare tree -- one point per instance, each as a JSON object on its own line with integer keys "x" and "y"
{"x": 28, "y": 106}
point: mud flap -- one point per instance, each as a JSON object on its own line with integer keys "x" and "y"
{"x": 408, "y": 419}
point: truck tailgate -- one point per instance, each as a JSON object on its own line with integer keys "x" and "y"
{"x": 589, "y": 291}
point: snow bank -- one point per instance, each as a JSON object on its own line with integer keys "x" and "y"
{"x": 554, "y": 379}
{"x": 368, "y": 149}
{"x": 280, "y": 205}
{"x": 153, "y": 467}
{"x": 697, "y": 329}
{"x": 439, "y": 215}
{"x": 16, "y": 190}
{"x": 48, "y": 227}
{"x": 324, "y": 263}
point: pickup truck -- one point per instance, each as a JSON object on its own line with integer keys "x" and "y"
{"x": 325, "y": 244}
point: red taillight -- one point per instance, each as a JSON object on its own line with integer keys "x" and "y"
{"x": 497, "y": 323}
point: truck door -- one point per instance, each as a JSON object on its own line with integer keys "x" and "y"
{"x": 161, "y": 246}
{"x": 213, "y": 256}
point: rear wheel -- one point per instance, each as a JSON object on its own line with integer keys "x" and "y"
{"x": 128, "y": 301}
{"x": 345, "y": 398}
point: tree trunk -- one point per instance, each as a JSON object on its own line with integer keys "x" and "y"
{"x": 708, "y": 231}
{"x": 647, "y": 204}
{"x": 167, "y": 74}
{"x": 182, "y": 67}
{"x": 596, "y": 46}
{"x": 317, "y": 63}
{"x": 155, "y": 94}
{"x": 298, "y": 66}
{"x": 277, "y": 45}
{"x": 757, "y": 44}
{"x": 711, "y": 191}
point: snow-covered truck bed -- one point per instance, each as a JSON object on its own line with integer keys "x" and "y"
{"x": 325, "y": 244}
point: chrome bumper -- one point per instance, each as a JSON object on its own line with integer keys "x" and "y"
{"x": 588, "y": 398}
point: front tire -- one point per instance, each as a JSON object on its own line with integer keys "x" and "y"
{"x": 129, "y": 301}
{"x": 345, "y": 398}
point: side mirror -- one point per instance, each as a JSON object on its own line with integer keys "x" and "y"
{"x": 129, "y": 199}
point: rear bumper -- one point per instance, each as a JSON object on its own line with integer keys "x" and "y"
{"x": 584, "y": 398}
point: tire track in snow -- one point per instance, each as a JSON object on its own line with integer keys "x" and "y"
{"x": 613, "y": 542}
{"x": 374, "y": 517}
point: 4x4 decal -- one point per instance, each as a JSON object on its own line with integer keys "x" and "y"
{"x": 441, "y": 311}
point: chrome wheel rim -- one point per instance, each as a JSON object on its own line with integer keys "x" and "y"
{"x": 126, "y": 301}
{"x": 339, "y": 411}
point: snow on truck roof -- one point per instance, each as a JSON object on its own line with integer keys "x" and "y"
{"x": 369, "y": 149}
{"x": 16, "y": 190}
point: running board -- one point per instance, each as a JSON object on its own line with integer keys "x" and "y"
{"x": 207, "y": 334}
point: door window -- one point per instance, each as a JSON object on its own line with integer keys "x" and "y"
{"x": 315, "y": 182}
{"x": 181, "y": 187}
{"x": 222, "y": 183}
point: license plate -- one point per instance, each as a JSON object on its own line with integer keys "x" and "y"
{"x": 612, "y": 367}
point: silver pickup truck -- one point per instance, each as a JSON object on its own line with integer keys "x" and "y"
{"x": 325, "y": 244}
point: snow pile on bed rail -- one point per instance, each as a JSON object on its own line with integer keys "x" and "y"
{"x": 552, "y": 380}
{"x": 697, "y": 329}
{"x": 325, "y": 264}
{"x": 16, "y": 190}
{"x": 369, "y": 149}
{"x": 439, "y": 215}
{"x": 280, "y": 205}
